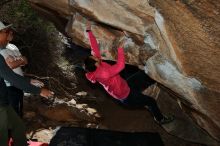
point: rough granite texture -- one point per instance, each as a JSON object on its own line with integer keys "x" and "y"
{"x": 176, "y": 42}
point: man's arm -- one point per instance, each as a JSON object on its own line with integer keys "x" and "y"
{"x": 15, "y": 63}
{"x": 15, "y": 79}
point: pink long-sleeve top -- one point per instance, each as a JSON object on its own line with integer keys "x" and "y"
{"x": 108, "y": 75}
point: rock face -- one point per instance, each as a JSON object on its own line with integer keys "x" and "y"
{"x": 176, "y": 42}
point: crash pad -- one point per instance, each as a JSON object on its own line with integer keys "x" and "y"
{"x": 75, "y": 136}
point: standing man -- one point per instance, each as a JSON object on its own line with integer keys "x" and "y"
{"x": 15, "y": 61}
{"x": 9, "y": 120}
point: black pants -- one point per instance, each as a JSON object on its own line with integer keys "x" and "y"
{"x": 137, "y": 83}
{"x": 137, "y": 99}
{"x": 15, "y": 97}
{"x": 9, "y": 120}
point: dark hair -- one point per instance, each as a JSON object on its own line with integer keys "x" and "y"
{"x": 90, "y": 64}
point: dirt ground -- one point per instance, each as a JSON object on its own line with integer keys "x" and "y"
{"x": 113, "y": 117}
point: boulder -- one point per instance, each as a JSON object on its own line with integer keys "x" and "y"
{"x": 176, "y": 42}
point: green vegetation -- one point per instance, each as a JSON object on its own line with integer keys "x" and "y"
{"x": 20, "y": 14}
{"x": 34, "y": 36}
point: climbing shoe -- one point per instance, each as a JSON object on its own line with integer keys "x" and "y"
{"x": 165, "y": 120}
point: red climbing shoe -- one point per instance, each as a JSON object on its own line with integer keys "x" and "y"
{"x": 34, "y": 143}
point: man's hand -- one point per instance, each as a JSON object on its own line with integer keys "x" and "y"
{"x": 37, "y": 83}
{"x": 24, "y": 59}
{"x": 46, "y": 93}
